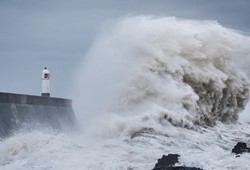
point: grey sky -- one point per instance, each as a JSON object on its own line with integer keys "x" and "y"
{"x": 58, "y": 33}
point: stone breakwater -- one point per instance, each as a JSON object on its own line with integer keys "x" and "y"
{"x": 18, "y": 111}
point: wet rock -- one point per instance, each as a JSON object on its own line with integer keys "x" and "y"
{"x": 240, "y": 147}
{"x": 168, "y": 163}
{"x": 169, "y": 160}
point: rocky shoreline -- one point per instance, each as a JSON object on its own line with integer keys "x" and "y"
{"x": 168, "y": 162}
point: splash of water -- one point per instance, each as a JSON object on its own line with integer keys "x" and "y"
{"x": 148, "y": 71}
{"x": 141, "y": 78}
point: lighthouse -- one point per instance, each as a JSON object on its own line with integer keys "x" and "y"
{"x": 45, "y": 82}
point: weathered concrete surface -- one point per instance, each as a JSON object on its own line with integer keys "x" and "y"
{"x": 18, "y": 110}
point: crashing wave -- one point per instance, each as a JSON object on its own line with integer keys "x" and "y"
{"x": 166, "y": 70}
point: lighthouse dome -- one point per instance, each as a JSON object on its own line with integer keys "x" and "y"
{"x": 45, "y": 70}
{"x": 45, "y": 73}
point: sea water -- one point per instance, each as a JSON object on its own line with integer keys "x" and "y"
{"x": 149, "y": 86}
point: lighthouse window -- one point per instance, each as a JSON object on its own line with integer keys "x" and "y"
{"x": 46, "y": 75}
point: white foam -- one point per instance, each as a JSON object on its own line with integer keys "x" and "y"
{"x": 144, "y": 89}
{"x": 147, "y": 69}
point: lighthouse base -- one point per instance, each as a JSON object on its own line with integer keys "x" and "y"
{"x": 46, "y": 94}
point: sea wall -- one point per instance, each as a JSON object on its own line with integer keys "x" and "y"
{"x": 18, "y": 111}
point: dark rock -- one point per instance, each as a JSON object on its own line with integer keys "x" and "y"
{"x": 240, "y": 147}
{"x": 168, "y": 163}
{"x": 169, "y": 160}
{"x": 178, "y": 168}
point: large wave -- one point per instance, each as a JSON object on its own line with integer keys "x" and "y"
{"x": 147, "y": 72}
{"x": 140, "y": 80}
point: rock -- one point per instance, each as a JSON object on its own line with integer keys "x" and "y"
{"x": 240, "y": 147}
{"x": 168, "y": 163}
{"x": 169, "y": 160}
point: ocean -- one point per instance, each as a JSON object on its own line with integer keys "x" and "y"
{"x": 149, "y": 86}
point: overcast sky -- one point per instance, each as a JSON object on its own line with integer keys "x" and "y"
{"x": 58, "y": 33}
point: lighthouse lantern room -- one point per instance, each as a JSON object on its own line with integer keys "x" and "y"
{"x": 45, "y": 82}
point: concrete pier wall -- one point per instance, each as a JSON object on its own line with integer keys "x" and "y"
{"x": 18, "y": 110}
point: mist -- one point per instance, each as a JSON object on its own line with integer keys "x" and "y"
{"x": 188, "y": 72}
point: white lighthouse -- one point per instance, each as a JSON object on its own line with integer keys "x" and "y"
{"x": 45, "y": 82}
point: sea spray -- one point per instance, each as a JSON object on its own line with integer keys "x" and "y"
{"x": 152, "y": 71}
{"x": 140, "y": 84}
